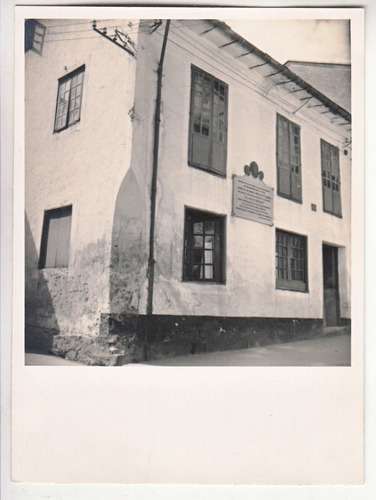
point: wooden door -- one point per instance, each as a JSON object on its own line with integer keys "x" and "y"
{"x": 331, "y": 295}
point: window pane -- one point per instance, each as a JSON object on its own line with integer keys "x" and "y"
{"x": 198, "y": 241}
{"x": 197, "y": 272}
{"x": 197, "y": 256}
{"x": 208, "y": 257}
{"x": 202, "y": 256}
{"x": 198, "y": 228}
{"x": 209, "y": 241}
{"x": 209, "y": 275}
{"x": 209, "y": 227}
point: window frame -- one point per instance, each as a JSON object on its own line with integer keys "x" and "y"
{"x": 192, "y": 215}
{"x": 62, "y": 81}
{"x": 289, "y": 283}
{"x": 32, "y": 24}
{"x": 330, "y": 180}
{"x": 290, "y": 196}
{"x": 54, "y": 214}
{"x": 210, "y": 167}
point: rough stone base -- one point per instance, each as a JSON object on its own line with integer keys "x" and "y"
{"x": 100, "y": 351}
{"x": 162, "y": 336}
{"x": 133, "y": 338}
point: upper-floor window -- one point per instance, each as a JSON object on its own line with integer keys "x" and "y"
{"x": 331, "y": 186}
{"x": 289, "y": 170}
{"x": 203, "y": 247}
{"x": 69, "y": 97}
{"x": 55, "y": 243}
{"x": 208, "y": 122}
{"x": 34, "y": 36}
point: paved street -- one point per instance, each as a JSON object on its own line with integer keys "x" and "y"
{"x": 322, "y": 351}
{"x": 34, "y": 359}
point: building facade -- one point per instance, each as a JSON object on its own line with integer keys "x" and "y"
{"x": 135, "y": 148}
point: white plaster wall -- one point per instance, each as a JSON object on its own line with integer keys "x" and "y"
{"x": 250, "y": 258}
{"x": 82, "y": 165}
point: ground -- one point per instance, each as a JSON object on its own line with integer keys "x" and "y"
{"x": 322, "y": 351}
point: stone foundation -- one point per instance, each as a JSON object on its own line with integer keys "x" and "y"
{"x": 163, "y": 336}
{"x": 133, "y": 338}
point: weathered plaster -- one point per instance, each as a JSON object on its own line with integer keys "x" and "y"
{"x": 84, "y": 166}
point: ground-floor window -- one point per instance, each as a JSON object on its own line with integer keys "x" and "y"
{"x": 55, "y": 244}
{"x": 291, "y": 261}
{"x": 204, "y": 257}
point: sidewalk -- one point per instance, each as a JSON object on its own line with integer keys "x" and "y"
{"x": 35, "y": 359}
{"x": 322, "y": 351}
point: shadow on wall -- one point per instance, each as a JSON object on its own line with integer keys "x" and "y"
{"x": 40, "y": 320}
{"x": 129, "y": 251}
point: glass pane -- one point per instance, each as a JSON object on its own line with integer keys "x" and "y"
{"x": 198, "y": 241}
{"x": 197, "y": 272}
{"x": 209, "y": 241}
{"x": 209, "y": 227}
{"x": 209, "y": 272}
{"x": 198, "y": 228}
{"x": 196, "y": 127}
{"x": 208, "y": 257}
{"x": 197, "y": 256}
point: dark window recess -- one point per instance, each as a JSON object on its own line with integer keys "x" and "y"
{"x": 208, "y": 123}
{"x": 291, "y": 261}
{"x": 55, "y": 243}
{"x": 331, "y": 185}
{"x": 69, "y": 96}
{"x": 203, "y": 247}
{"x": 289, "y": 170}
{"x": 34, "y": 36}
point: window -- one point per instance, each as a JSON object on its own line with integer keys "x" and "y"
{"x": 69, "y": 95}
{"x": 34, "y": 36}
{"x": 331, "y": 186}
{"x": 289, "y": 172}
{"x": 203, "y": 247}
{"x": 208, "y": 123}
{"x": 56, "y": 238}
{"x": 291, "y": 261}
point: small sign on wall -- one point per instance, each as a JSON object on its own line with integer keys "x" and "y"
{"x": 252, "y": 199}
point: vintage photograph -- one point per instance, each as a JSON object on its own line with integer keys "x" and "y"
{"x": 188, "y": 192}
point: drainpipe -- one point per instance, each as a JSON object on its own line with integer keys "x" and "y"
{"x": 153, "y": 195}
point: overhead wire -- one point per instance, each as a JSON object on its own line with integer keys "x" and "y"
{"x": 129, "y": 30}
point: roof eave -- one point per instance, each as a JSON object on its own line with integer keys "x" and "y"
{"x": 334, "y": 107}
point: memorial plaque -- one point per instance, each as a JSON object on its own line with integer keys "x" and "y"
{"x": 252, "y": 199}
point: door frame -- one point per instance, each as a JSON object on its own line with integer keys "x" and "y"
{"x": 336, "y": 288}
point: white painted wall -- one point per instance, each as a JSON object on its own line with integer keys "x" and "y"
{"x": 103, "y": 165}
{"x": 250, "y": 261}
{"x": 83, "y": 165}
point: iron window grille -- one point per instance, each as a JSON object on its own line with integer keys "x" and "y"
{"x": 69, "y": 98}
{"x": 208, "y": 123}
{"x": 204, "y": 247}
{"x": 291, "y": 261}
{"x": 55, "y": 244}
{"x": 289, "y": 169}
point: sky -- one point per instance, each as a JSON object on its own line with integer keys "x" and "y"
{"x": 313, "y": 40}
